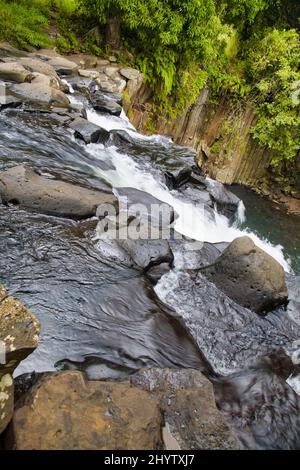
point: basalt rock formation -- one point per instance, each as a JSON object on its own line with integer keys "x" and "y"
{"x": 249, "y": 276}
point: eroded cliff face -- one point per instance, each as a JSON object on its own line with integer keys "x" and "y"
{"x": 220, "y": 133}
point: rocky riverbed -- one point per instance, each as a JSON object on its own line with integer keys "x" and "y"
{"x": 182, "y": 342}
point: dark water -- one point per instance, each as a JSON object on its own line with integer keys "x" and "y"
{"x": 267, "y": 220}
{"x": 105, "y": 318}
{"x": 92, "y": 311}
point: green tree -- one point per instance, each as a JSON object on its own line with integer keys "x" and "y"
{"x": 174, "y": 41}
{"x": 273, "y": 67}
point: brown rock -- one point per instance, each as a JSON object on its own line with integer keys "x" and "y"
{"x": 19, "y": 335}
{"x": 6, "y": 400}
{"x": 249, "y": 276}
{"x": 14, "y": 72}
{"x": 24, "y": 187}
{"x": 192, "y": 420}
{"x": 65, "y": 412}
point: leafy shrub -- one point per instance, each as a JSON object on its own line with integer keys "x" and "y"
{"x": 23, "y": 24}
{"x": 274, "y": 68}
{"x": 173, "y": 42}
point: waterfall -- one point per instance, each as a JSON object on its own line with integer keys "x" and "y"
{"x": 192, "y": 220}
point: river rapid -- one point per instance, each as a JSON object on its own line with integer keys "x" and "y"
{"x": 103, "y": 316}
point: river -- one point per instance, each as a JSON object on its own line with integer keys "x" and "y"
{"x": 102, "y": 316}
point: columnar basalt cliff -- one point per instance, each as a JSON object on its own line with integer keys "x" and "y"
{"x": 220, "y": 132}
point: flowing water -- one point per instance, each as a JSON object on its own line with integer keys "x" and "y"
{"x": 267, "y": 220}
{"x": 105, "y": 318}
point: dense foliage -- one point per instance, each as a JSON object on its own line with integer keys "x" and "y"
{"x": 273, "y": 66}
{"x": 170, "y": 38}
{"x": 24, "y": 24}
{"x": 248, "y": 48}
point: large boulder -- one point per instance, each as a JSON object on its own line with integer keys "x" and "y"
{"x": 63, "y": 66}
{"x": 88, "y": 132}
{"x": 148, "y": 253}
{"x": 105, "y": 104}
{"x": 22, "y": 186}
{"x": 192, "y": 420}
{"x": 148, "y": 208}
{"x": 39, "y": 66}
{"x": 227, "y": 203}
{"x": 43, "y": 89}
{"x": 249, "y": 276}
{"x": 66, "y": 412}
{"x": 14, "y": 72}
{"x": 19, "y": 335}
{"x": 178, "y": 177}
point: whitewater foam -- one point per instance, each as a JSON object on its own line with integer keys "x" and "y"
{"x": 192, "y": 220}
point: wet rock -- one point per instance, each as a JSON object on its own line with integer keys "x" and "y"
{"x": 14, "y": 72}
{"x": 110, "y": 250}
{"x": 24, "y": 382}
{"x": 85, "y": 415}
{"x": 8, "y": 101}
{"x": 178, "y": 177}
{"x": 261, "y": 405}
{"x": 227, "y": 202}
{"x": 63, "y": 66}
{"x": 192, "y": 420}
{"x": 83, "y": 85}
{"x": 88, "y": 131}
{"x": 204, "y": 255}
{"x": 148, "y": 253}
{"x": 19, "y": 335}
{"x": 198, "y": 179}
{"x": 293, "y": 308}
{"x": 197, "y": 196}
{"x": 117, "y": 97}
{"x": 24, "y": 187}
{"x": 249, "y": 276}
{"x": 155, "y": 273}
{"x": 105, "y": 104}
{"x": 219, "y": 326}
{"x": 148, "y": 208}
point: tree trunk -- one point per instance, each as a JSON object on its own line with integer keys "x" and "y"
{"x": 113, "y": 32}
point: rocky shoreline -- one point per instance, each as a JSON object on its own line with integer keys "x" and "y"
{"x": 153, "y": 408}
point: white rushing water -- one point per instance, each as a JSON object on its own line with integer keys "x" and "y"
{"x": 192, "y": 221}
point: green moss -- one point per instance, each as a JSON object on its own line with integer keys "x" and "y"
{"x": 216, "y": 147}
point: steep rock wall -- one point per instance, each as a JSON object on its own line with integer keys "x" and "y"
{"x": 220, "y": 133}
